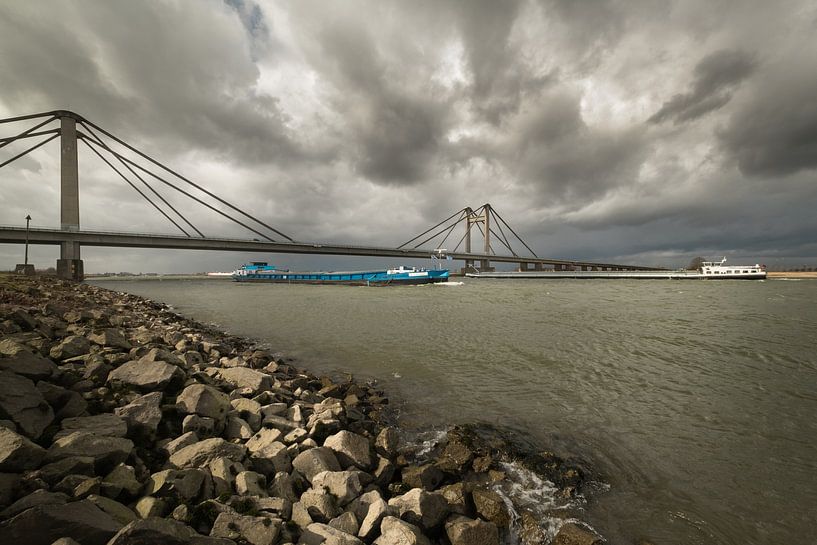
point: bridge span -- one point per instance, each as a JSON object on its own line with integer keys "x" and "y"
{"x": 10, "y": 234}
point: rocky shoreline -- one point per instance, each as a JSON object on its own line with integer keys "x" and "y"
{"x": 122, "y": 422}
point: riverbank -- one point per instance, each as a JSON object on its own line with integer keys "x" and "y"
{"x": 124, "y": 422}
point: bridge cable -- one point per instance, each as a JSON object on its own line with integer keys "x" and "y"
{"x": 143, "y": 169}
{"x": 448, "y": 234}
{"x": 507, "y": 242}
{"x": 156, "y": 206}
{"x": 424, "y": 232}
{"x": 514, "y": 233}
{"x": 25, "y": 117}
{"x": 24, "y": 133}
{"x": 29, "y": 150}
{"x": 30, "y": 135}
{"x": 441, "y": 231}
{"x": 100, "y": 142}
{"x": 200, "y": 188}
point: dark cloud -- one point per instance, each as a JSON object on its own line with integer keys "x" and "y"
{"x": 715, "y": 78}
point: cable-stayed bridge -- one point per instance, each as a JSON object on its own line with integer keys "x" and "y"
{"x": 146, "y": 176}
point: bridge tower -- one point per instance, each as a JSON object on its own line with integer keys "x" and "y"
{"x": 483, "y": 216}
{"x": 69, "y": 265}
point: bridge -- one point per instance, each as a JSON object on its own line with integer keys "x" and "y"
{"x": 137, "y": 168}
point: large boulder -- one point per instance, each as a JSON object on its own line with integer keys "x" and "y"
{"x": 318, "y": 534}
{"x": 109, "y": 425}
{"x": 17, "y": 453}
{"x": 71, "y": 347}
{"x": 394, "y": 531}
{"x": 110, "y": 337}
{"x": 106, "y": 451}
{"x": 204, "y": 400}
{"x": 344, "y": 485}
{"x": 44, "y": 524}
{"x": 247, "y": 529}
{"x": 242, "y": 377}
{"x": 490, "y": 506}
{"x": 425, "y": 509}
{"x": 23, "y": 403}
{"x": 315, "y": 460}
{"x": 154, "y": 531}
{"x": 351, "y": 449}
{"x": 142, "y": 415}
{"x": 465, "y": 531}
{"x": 28, "y": 364}
{"x": 38, "y": 497}
{"x": 202, "y": 453}
{"x": 146, "y": 375}
{"x": 573, "y": 534}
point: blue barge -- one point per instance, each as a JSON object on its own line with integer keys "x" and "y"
{"x": 259, "y": 271}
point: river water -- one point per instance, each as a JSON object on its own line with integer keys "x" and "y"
{"x": 695, "y": 401}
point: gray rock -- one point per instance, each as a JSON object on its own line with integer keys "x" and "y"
{"x": 119, "y": 512}
{"x": 394, "y": 531}
{"x": 73, "y": 465}
{"x": 283, "y": 486}
{"x": 242, "y": 377}
{"x": 110, "y": 337}
{"x": 271, "y": 458}
{"x": 387, "y": 442}
{"x": 300, "y": 515}
{"x": 465, "y": 531}
{"x": 142, "y": 415}
{"x": 42, "y": 525}
{"x": 160, "y": 483}
{"x": 237, "y": 428}
{"x": 66, "y": 541}
{"x": 455, "y": 457}
{"x": 21, "y": 401}
{"x": 351, "y": 449}
{"x": 38, "y": 497}
{"x": 249, "y": 410}
{"x": 149, "y": 506}
{"x": 65, "y": 403}
{"x": 458, "y": 498}
{"x": 491, "y": 507}
{"x": 317, "y": 534}
{"x": 281, "y": 507}
{"x": 384, "y": 472}
{"x": 107, "y": 452}
{"x": 203, "y": 426}
{"x": 252, "y": 530}
{"x": 426, "y": 476}
{"x": 204, "y": 400}
{"x": 311, "y": 462}
{"x": 320, "y": 505}
{"x": 29, "y": 365}
{"x": 345, "y": 522}
{"x": 121, "y": 481}
{"x": 8, "y": 486}
{"x": 370, "y": 526}
{"x": 105, "y": 424}
{"x": 155, "y": 531}
{"x": 250, "y": 483}
{"x": 425, "y": 509}
{"x": 573, "y": 534}
{"x": 224, "y": 472}
{"x": 184, "y": 440}
{"x": 202, "y": 453}
{"x": 71, "y": 347}
{"x": 146, "y": 375}
{"x": 264, "y": 438}
{"x": 343, "y": 485}
{"x": 17, "y": 453}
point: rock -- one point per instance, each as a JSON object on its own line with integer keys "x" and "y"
{"x": 491, "y": 507}
{"x": 160, "y": 483}
{"x": 455, "y": 457}
{"x": 71, "y": 347}
{"x": 343, "y": 485}
{"x": 87, "y": 487}
{"x": 184, "y": 440}
{"x": 300, "y": 515}
{"x": 149, "y": 506}
{"x": 110, "y": 337}
{"x": 142, "y": 415}
{"x": 205, "y": 401}
{"x": 242, "y": 377}
{"x": 320, "y": 505}
{"x": 283, "y": 486}
{"x": 281, "y": 507}
{"x": 426, "y": 476}
{"x": 42, "y": 525}
{"x": 155, "y": 531}
{"x": 121, "y": 481}
{"x": 23, "y": 403}
{"x": 66, "y": 541}
{"x": 252, "y": 530}
{"x": 97, "y": 370}
{"x": 17, "y": 453}
{"x": 29, "y": 365}
{"x": 202, "y": 453}
{"x": 387, "y": 442}
{"x": 250, "y": 483}
{"x": 65, "y": 403}
{"x": 345, "y": 522}
{"x": 249, "y": 410}
{"x": 237, "y": 428}
{"x": 370, "y": 526}
{"x": 203, "y": 426}
{"x": 425, "y": 509}
{"x": 311, "y": 462}
{"x": 264, "y": 438}
{"x": 572, "y": 534}
{"x": 105, "y": 424}
{"x": 224, "y": 472}
{"x": 465, "y": 531}
{"x": 458, "y": 498}
{"x": 117, "y": 511}
{"x": 107, "y": 452}
{"x": 38, "y": 497}
{"x": 188, "y": 484}
{"x": 8, "y": 487}
{"x": 146, "y": 375}
{"x": 73, "y": 465}
{"x": 394, "y": 531}
{"x": 317, "y": 534}
{"x": 351, "y": 449}
{"x": 268, "y": 456}
{"x": 384, "y": 472}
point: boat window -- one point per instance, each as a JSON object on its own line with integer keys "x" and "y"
{"x": 745, "y": 272}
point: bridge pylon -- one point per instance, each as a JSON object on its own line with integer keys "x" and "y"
{"x": 69, "y": 265}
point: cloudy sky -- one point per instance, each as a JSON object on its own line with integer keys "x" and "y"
{"x": 626, "y": 131}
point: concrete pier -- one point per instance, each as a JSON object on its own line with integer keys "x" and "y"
{"x": 69, "y": 265}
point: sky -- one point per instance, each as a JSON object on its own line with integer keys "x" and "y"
{"x": 628, "y": 131}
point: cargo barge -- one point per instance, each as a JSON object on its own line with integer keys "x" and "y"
{"x": 260, "y": 271}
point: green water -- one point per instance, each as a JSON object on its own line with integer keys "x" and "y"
{"x": 696, "y": 401}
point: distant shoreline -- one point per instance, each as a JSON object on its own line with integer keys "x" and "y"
{"x": 792, "y": 274}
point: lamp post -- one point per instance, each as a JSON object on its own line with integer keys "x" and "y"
{"x": 28, "y": 219}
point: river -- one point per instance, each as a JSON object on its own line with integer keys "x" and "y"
{"x": 695, "y": 401}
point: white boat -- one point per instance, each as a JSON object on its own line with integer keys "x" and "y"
{"x": 720, "y": 271}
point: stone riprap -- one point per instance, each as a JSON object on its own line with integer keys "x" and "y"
{"x": 122, "y": 422}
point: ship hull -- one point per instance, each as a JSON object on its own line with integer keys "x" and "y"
{"x": 355, "y": 278}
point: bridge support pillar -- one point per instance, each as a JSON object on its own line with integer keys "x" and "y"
{"x": 485, "y": 266}
{"x": 69, "y": 265}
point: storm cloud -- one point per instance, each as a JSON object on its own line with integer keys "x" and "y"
{"x": 607, "y": 130}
